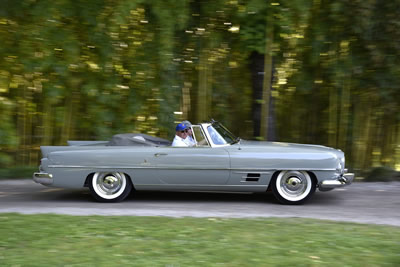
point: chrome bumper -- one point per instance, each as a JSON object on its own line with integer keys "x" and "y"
{"x": 43, "y": 178}
{"x": 343, "y": 180}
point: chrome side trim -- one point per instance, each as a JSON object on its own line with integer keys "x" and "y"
{"x": 241, "y": 172}
{"x": 237, "y": 170}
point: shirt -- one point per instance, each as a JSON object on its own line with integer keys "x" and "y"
{"x": 178, "y": 141}
{"x": 190, "y": 141}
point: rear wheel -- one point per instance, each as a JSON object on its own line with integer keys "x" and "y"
{"x": 110, "y": 186}
{"x": 293, "y": 187}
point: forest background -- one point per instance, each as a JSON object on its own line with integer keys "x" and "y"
{"x": 306, "y": 71}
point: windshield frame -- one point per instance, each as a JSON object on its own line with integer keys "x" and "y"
{"x": 223, "y": 133}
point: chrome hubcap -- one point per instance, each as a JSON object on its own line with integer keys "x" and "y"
{"x": 109, "y": 183}
{"x": 294, "y": 185}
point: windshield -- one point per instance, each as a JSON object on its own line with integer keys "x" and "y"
{"x": 220, "y": 135}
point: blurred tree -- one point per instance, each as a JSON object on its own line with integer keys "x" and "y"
{"x": 343, "y": 65}
{"x": 313, "y": 71}
{"x": 257, "y": 34}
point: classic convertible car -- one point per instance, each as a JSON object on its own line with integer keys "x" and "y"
{"x": 219, "y": 162}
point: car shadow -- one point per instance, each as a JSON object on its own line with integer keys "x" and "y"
{"x": 143, "y": 196}
{"x": 318, "y": 198}
{"x": 62, "y": 195}
{"x": 83, "y": 195}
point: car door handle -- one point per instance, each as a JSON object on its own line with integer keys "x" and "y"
{"x": 160, "y": 154}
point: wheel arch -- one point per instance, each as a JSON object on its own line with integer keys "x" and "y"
{"x": 313, "y": 177}
{"x": 273, "y": 176}
{"x": 88, "y": 178}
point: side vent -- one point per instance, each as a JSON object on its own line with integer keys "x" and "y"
{"x": 251, "y": 177}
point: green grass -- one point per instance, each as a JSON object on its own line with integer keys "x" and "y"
{"x": 57, "y": 240}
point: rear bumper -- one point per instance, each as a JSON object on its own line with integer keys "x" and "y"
{"x": 43, "y": 178}
{"x": 345, "y": 179}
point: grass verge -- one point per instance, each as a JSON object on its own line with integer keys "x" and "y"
{"x": 53, "y": 240}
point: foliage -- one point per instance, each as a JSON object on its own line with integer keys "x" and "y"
{"x": 336, "y": 84}
{"x": 17, "y": 172}
{"x": 90, "y": 69}
{"x": 381, "y": 174}
{"x": 156, "y": 241}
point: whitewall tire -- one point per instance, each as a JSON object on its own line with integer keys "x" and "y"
{"x": 293, "y": 187}
{"x": 110, "y": 186}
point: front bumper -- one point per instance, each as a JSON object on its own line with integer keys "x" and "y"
{"x": 43, "y": 178}
{"x": 344, "y": 179}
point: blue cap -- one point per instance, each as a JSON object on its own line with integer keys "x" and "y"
{"x": 181, "y": 127}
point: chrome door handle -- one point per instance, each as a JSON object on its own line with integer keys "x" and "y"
{"x": 160, "y": 154}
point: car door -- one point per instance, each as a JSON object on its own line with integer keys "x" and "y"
{"x": 201, "y": 166}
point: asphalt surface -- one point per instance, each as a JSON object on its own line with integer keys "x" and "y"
{"x": 375, "y": 203}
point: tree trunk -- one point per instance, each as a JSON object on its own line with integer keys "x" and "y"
{"x": 397, "y": 148}
{"x": 204, "y": 92}
{"x": 344, "y": 113}
{"x": 267, "y": 81}
{"x": 257, "y": 77}
{"x": 71, "y": 108}
{"x": 333, "y": 117}
{"x": 47, "y": 122}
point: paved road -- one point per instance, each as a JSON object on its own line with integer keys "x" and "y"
{"x": 377, "y": 203}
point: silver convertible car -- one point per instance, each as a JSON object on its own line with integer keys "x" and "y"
{"x": 218, "y": 162}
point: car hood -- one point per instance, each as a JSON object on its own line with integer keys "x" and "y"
{"x": 289, "y": 147}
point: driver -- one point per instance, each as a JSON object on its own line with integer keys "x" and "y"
{"x": 180, "y": 136}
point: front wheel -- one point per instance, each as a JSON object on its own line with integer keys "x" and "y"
{"x": 293, "y": 187}
{"x": 110, "y": 186}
